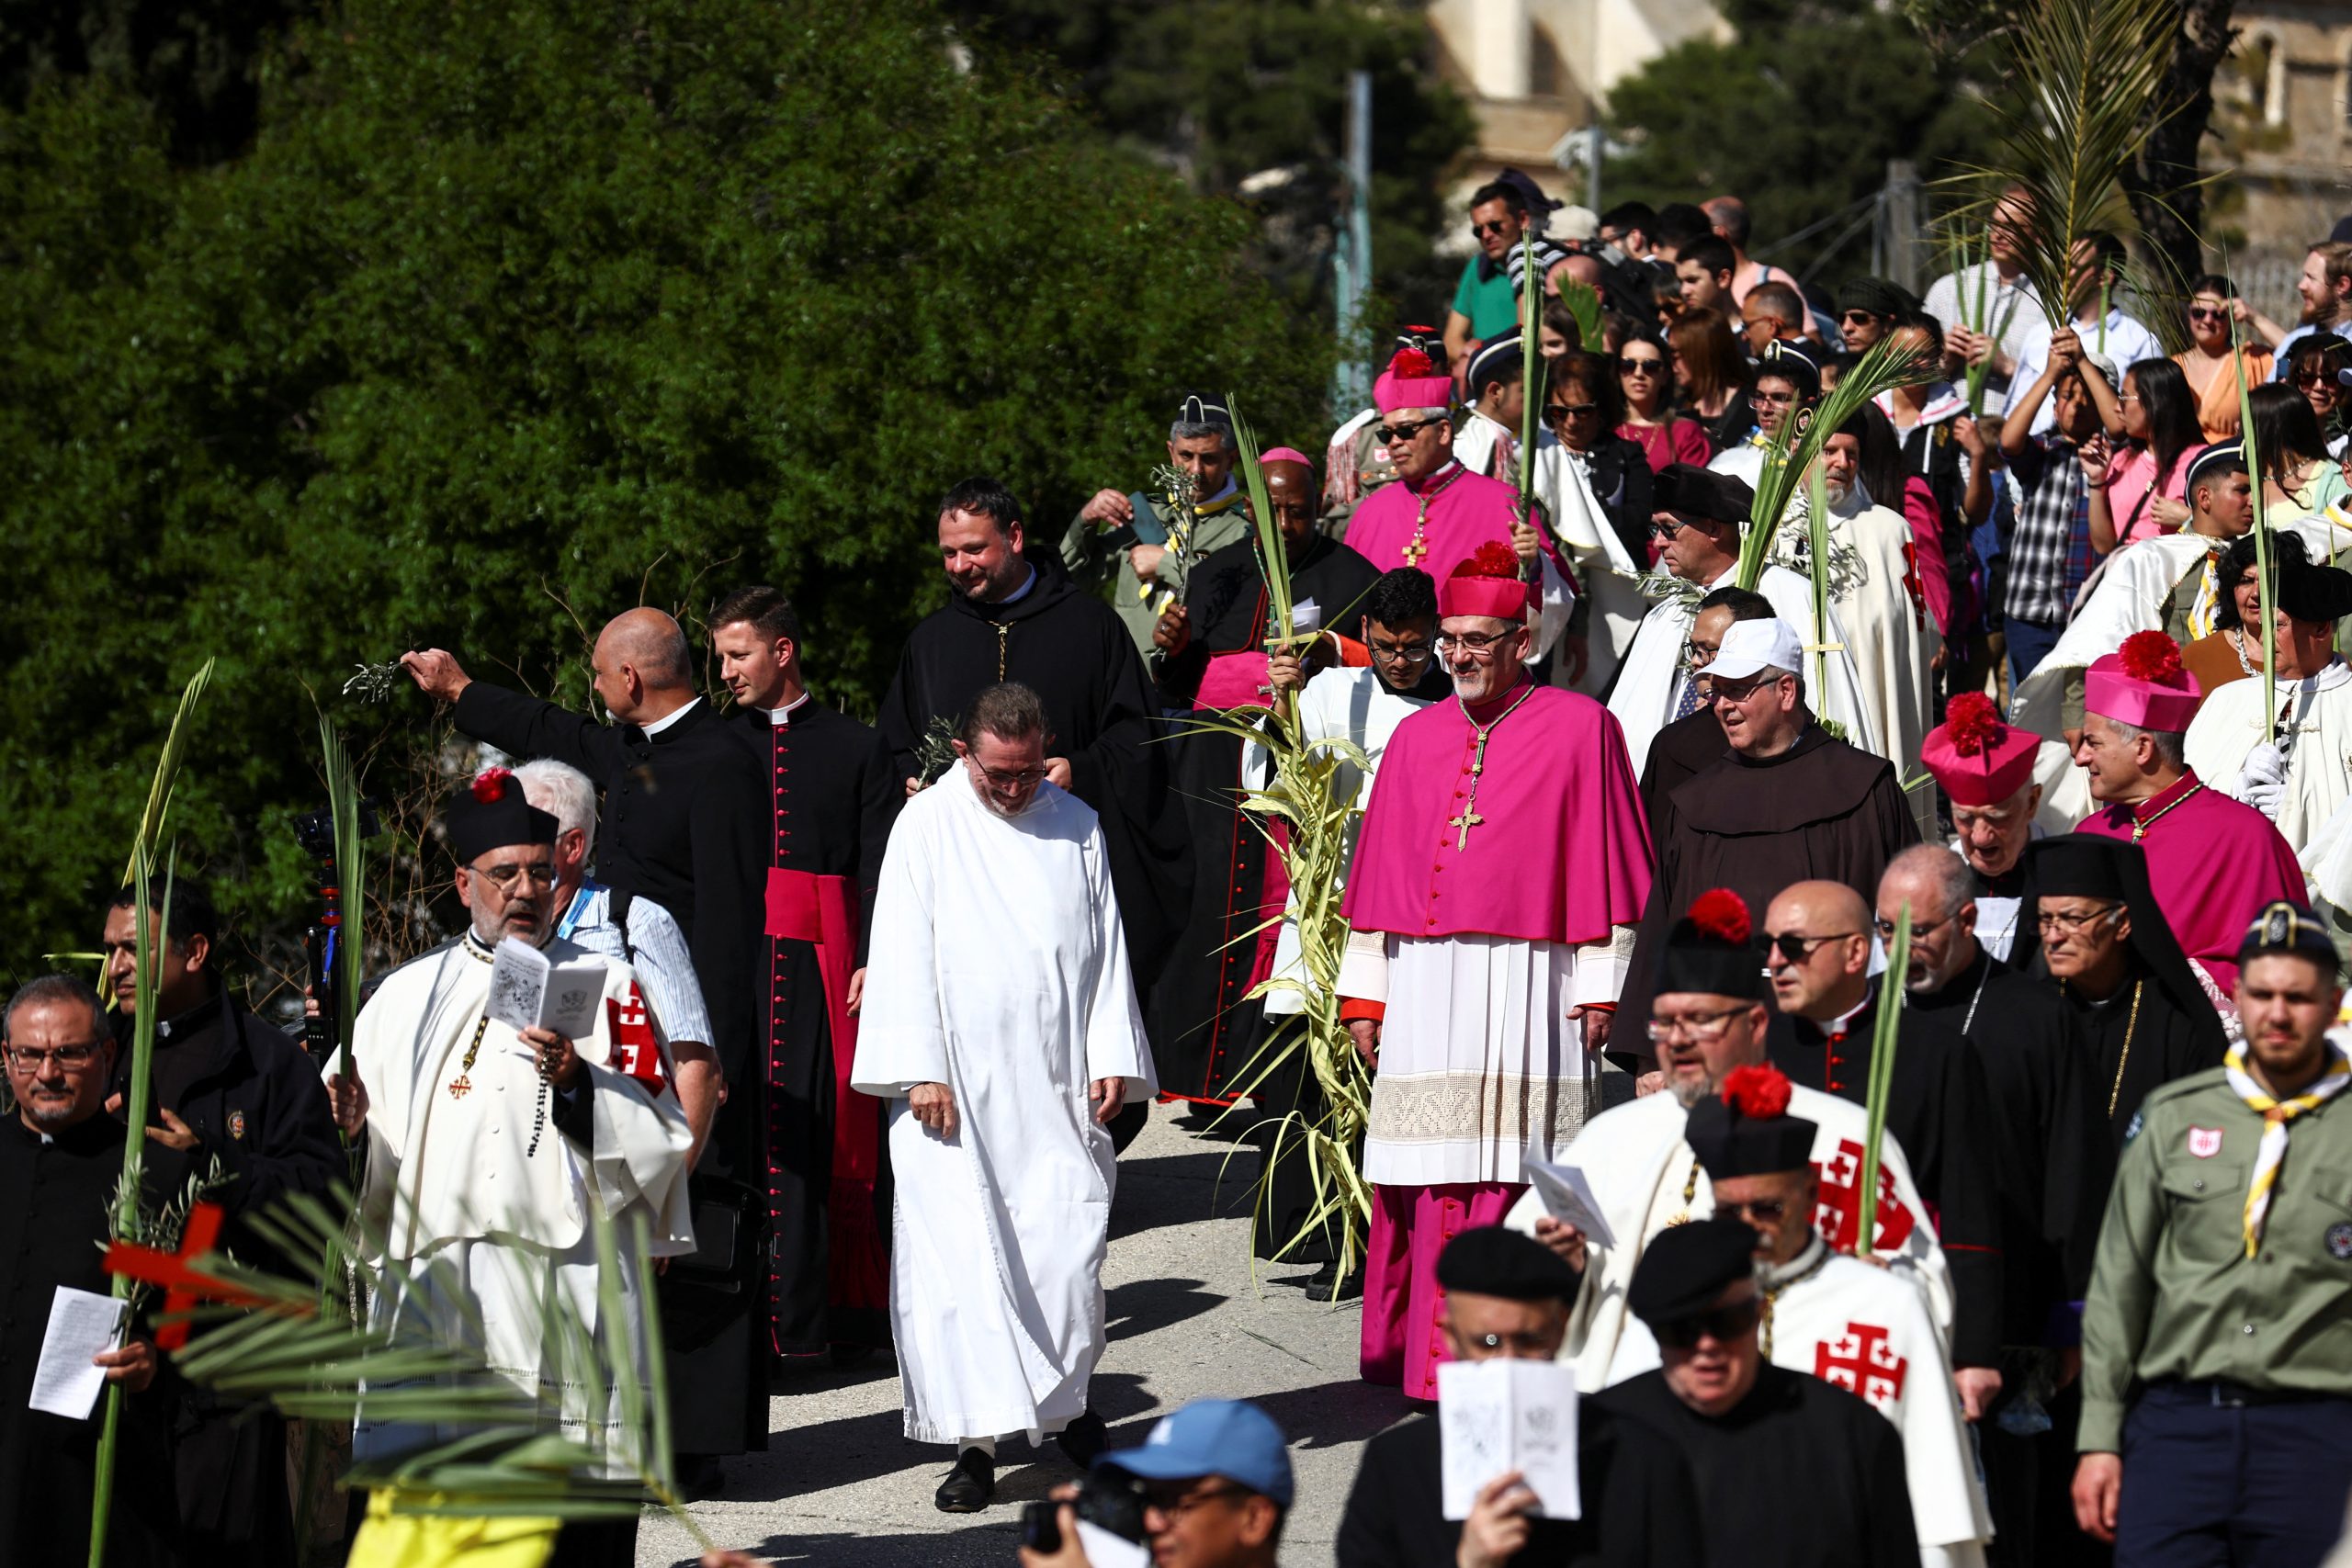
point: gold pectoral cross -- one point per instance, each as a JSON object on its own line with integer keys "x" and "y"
{"x": 460, "y": 1086}
{"x": 1416, "y": 551}
{"x": 1467, "y": 820}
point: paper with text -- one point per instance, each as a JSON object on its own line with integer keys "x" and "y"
{"x": 1505, "y": 1415}
{"x": 528, "y": 991}
{"x": 1567, "y": 1196}
{"x": 80, "y": 1326}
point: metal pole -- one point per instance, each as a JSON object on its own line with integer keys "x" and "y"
{"x": 1902, "y": 246}
{"x": 1350, "y": 379}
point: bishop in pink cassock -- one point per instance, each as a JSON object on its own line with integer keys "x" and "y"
{"x": 2213, "y": 862}
{"x": 1501, "y": 868}
{"x": 1439, "y": 512}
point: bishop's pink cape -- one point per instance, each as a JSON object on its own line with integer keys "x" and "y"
{"x": 2213, "y": 862}
{"x": 1562, "y": 854}
{"x": 1469, "y": 510}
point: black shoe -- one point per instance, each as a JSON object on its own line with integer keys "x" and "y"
{"x": 1083, "y": 1439}
{"x": 700, "y": 1478}
{"x": 1325, "y": 1285}
{"x": 969, "y": 1485}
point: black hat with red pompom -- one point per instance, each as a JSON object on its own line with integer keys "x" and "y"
{"x": 492, "y": 814}
{"x": 1747, "y": 1129}
{"x": 1711, "y": 951}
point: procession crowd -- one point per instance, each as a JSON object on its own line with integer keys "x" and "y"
{"x": 1655, "y": 856}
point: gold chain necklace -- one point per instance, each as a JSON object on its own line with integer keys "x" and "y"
{"x": 1690, "y": 1190}
{"x": 2139, "y": 829}
{"x": 1469, "y": 817}
{"x": 2123, "y": 1060}
{"x": 463, "y": 1083}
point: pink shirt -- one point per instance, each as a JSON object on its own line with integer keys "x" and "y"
{"x": 1683, "y": 441}
{"x": 2131, "y": 495}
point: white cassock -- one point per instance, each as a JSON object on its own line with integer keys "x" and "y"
{"x": 1357, "y": 707}
{"x": 1478, "y": 443}
{"x": 454, "y": 1187}
{"x": 999, "y": 969}
{"x": 2316, "y": 740}
{"x": 1654, "y": 667}
{"x": 1839, "y": 1319}
{"x": 2131, "y": 592}
{"x": 1640, "y": 1169}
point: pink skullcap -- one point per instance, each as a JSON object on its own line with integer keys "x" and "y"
{"x": 1285, "y": 455}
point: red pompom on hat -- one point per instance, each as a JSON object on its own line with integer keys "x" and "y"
{"x": 1723, "y": 914}
{"x": 1488, "y": 583}
{"x": 1493, "y": 558}
{"x": 2143, "y": 684}
{"x": 1411, "y": 362}
{"x": 1758, "y": 1093}
{"x": 489, "y": 784}
{"x": 1976, "y": 757}
{"x": 1412, "y": 382}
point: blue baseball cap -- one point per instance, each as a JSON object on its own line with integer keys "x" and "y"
{"x": 1212, "y": 1436}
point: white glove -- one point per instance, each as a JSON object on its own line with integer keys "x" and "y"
{"x": 2265, "y": 764}
{"x": 2264, "y": 797}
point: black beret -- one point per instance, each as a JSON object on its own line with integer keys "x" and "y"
{"x": 493, "y": 814}
{"x": 2316, "y": 592}
{"x": 1711, "y": 951}
{"x": 2281, "y": 928}
{"x": 1730, "y": 1143}
{"x": 2078, "y": 865}
{"x": 1877, "y": 296}
{"x": 1702, "y": 492}
{"x": 1493, "y": 1261}
{"x": 1685, "y": 1268}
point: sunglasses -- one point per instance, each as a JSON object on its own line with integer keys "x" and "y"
{"x": 1765, "y": 1209}
{"x": 1488, "y": 228}
{"x": 1857, "y": 318}
{"x": 1795, "y": 946}
{"x": 1570, "y": 410}
{"x": 1647, "y": 366}
{"x": 1722, "y": 1325}
{"x": 1389, "y": 434}
{"x": 2310, "y": 377}
{"x": 2206, "y": 314}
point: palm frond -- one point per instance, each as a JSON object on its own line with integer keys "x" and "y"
{"x": 167, "y": 766}
{"x": 1273, "y": 556}
{"x": 1885, "y": 1036}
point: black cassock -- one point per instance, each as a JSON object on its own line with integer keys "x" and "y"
{"x": 50, "y": 1231}
{"x": 1938, "y": 1109}
{"x": 1799, "y": 1474}
{"x": 1640, "y": 1505}
{"x": 833, "y": 795}
{"x": 1820, "y": 809}
{"x": 1075, "y": 653}
{"x": 2140, "y": 1039}
{"x": 685, "y": 823}
{"x": 1204, "y": 1030}
{"x": 1681, "y": 751}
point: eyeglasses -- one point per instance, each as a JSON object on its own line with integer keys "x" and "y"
{"x": 1648, "y": 365}
{"x": 1492, "y": 226}
{"x": 2073, "y": 925}
{"x": 1476, "y": 646}
{"x": 1411, "y": 653}
{"x": 1667, "y": 529}
{"x": 1738, "y": 691}
{"x": 508, "y": 876}
{"x": 1023, "y": 779}
{"x": 1698, "y": 655}
{"x": 29, "y": 1058}
{"x": 1773, "y": 399}
{"x": 1765, "y": 1209}
{"x": 1722, "y": 1325}
{"x": 1796, "y": 947}
{"x": 2309, "y": 377}
{"x": 1175, "y": 1505}
{"x": 1886, "y": 928}
{"x": 1389, "y": 434}
{"x": 1696, "y": 1025}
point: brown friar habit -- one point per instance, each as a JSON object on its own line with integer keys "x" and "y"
{"x": 1203, "y": 1029}
{"x": 1683, "y": 750}
{"x": 1820, "y": 809}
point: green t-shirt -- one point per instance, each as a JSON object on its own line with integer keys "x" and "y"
{"x": 1492, "y": 306}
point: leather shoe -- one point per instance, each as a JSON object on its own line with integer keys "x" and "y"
{"x": 1325, "y": 1285}
{"x": 969, "y": 1485}
{"x": 1082, "y": 1439}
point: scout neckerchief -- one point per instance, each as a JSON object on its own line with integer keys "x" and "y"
{"x": 2271, "y": 1152}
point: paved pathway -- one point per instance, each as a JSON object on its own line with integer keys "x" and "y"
{"x": 838, "y": 1486}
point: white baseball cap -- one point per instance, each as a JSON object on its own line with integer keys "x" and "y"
{"x": 1750, "y": 645}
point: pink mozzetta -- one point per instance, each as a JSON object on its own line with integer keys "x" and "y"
{"x": 1561, "y": 853}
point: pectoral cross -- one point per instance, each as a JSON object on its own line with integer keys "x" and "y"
{"x": 1417, "y": 551}
{"x": 1467, "y": 820}
{"x": 459, "y": 1086}
{"x": 1469, "y": 817}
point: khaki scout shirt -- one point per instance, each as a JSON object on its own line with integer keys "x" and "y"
{"x": 1220, "y": 522}
{"x": 2173, "y": 1293}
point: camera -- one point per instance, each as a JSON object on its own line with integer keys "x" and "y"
{"x": 1112, "y": 1504}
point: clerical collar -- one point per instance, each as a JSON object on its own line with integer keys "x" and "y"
{"x": 1780, "y": 1276}
{"x": 2143, "y": 815}
{"x": 487, "y": 953}
{"x": 188, "y": 1023}
{"x": 1844, "y": 1022}
{"x": 667, "y": 719}
{"x": 782, "y": 716}
{"x": 1445, "y": 475}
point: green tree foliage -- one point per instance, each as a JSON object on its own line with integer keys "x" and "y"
{"x": 1798, "y": 114}
{"x": 197, "y": 64}
{"x": 515, "y": 315}
{"x": 1223, "y": 90}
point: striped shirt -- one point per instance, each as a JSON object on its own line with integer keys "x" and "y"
{"x": 655, "y": 948}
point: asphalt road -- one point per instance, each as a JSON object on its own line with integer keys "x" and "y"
{"x": 839, "y": 1486}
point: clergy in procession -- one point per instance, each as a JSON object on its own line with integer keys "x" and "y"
{"x": 1985, "y": 769}
{"x": 1010, "y": 617}
{"x": 1709, "y": 1021}
{"x": 1145, "y": 544}
{"x": 61, "y": 1163}
{"x": 1792, "y": 1471}
{"x": 1507, "y": 1298}
{"x": 1439, "y": 514}
{"x": 2213, "y": 861}
{"x": 1876, "y": 591}
{"x": 1001, "y": 1024}
{"x": 1361, "y": 708}
{"x": 1786, "y": 802}
{"x": 1481, "y": 988}
{"x": 1355, "y": 460}
{"x": 2142, "y": 1014}
{"x": 1818, "y": 950}
{"x": 832, "y": 794}
{"x": 683, "y": 826}
{"x": 2170, "y": 583}
{"x": 1835, "y": 1317}
{"x": 1700, "y": 516}
{"x": 1693, "y": 743}
{"x": 2292, "y": 763}
{"x": 1214, "y": 650}
{"x": 486, "y": 1148}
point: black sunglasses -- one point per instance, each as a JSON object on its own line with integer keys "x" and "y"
{"x": 1390, "y": 434}
{"x": 1722, "y": 1325}
{"x": 1795, "y": 946}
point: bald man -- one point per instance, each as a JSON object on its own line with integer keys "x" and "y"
{"x": 1817, "y": 937}
{"x": 685, "y": 825}
{"x": 1210, "y": 653}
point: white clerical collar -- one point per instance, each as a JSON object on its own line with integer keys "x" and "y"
{"x": 1780, "y": 1276}
{"x": 783, "y": 715}
{"x": 666, "y": 720}
{"x": 2328, "y": 677}
{"x": 1844, "y": 1021}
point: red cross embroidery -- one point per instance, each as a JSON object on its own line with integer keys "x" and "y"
{"x": 183, "y": 1288}
{"x": 635, "y": 1050}
{"x": 1836, "y": 1217}
{"x": 1860, "y": 1361}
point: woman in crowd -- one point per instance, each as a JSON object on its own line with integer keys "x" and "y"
{"x": 1584, "y": 410}
{"x": 2234, "y": 650}
{"x": 2313, "y": 366}
{"x": 2298, "y": 476}
{"x": 2143, "y": 493}
{"x": 1713, "y": 375}
{"x": 1645, "y": 377}
{"x": 2212, "y": 301}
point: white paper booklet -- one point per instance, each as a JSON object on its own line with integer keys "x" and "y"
{"x": 80, "y": 1326}
{"x": 1504, "y": 1415}
{"x": 1569, "y": 1196}
{"x": 528, "y": 991}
